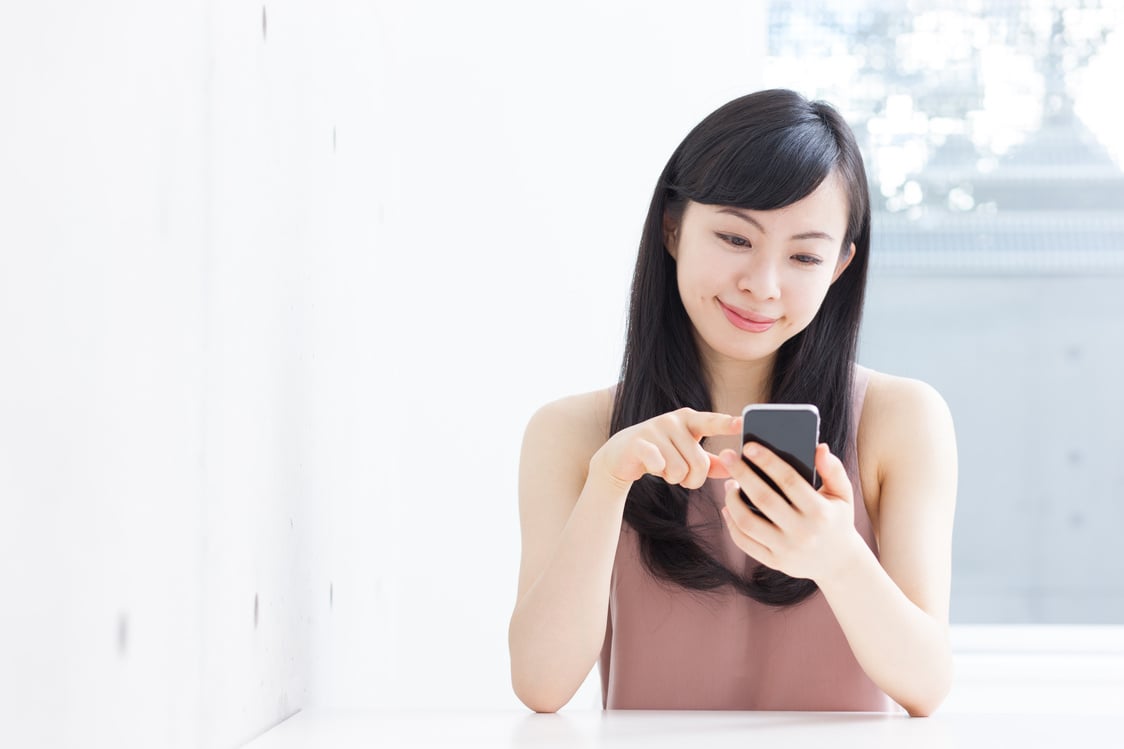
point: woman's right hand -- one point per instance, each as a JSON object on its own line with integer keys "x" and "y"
{"x": 666, "y": 446}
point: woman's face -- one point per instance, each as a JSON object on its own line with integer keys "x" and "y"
{"x": 750, "y": 280}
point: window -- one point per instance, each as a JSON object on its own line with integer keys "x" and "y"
{"x": 997, "y": 268}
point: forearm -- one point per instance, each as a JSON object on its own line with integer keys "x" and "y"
{"x": 558, "y": 626}
{"x": 902, "y": 648}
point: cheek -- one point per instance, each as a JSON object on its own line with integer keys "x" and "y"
{"x": 805, "y": 298}
{"x": 694, "y": 281}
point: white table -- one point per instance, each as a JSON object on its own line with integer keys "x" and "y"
{"x": 1025, "y": 686}
{"x": 340, "y": 729}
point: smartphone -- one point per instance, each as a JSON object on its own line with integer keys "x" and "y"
{"x": 791, "y": 430}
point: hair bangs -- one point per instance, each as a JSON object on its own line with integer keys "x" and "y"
{"x": 761, "y": 164}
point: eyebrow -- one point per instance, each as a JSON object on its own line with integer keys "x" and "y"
{"x": 802, "y": 235}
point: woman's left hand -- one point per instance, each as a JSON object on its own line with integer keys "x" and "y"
{"x": 810, "y": 538}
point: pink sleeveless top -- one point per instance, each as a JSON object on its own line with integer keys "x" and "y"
{"x": 667, "y": 647}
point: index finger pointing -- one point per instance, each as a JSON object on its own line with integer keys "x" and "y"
{"x": 707, "y": 424}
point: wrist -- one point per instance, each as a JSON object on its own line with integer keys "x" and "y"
{"x": 603, "y": 481}
{"x": 849, "y": 563}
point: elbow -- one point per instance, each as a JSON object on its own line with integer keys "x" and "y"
{"x": 922, "y": 710}
{"x": 536, "y": 698}
{"x": 532, "y": 690}
{"x": 925, "y": 705}
{"x": 544, "y": 706}
{"x": 543, "y": 695}
{"x": 928, "y": 693}
{"x": 543, "y": 681}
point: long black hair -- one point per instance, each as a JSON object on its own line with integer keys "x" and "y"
{"x": 761, "y": 151}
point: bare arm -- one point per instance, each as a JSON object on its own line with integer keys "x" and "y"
{"x": 558, "y": 625}
{"x": 572, "y": 493}
{"x": 894, "y": 614}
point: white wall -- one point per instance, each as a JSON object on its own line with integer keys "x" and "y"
{"x": 280, "y": 284}
{"x": 523, "y": 146}
{"x": 103, "y": 249}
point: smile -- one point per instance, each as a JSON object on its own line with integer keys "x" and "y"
{"x": 746, "y": 320}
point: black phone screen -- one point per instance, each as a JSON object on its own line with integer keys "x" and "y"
{"x": 792, "y": 433}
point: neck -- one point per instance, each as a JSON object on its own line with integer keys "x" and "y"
{"x": 735, "y": 384}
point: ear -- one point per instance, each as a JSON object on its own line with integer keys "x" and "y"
{"x": 843, "y": 263}
{"x": 670, "y": 236}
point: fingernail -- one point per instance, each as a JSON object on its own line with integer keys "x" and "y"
{"x": 726, "y": 458}
{"x": 751, "y": 449}
{"x": 730, "y": 486}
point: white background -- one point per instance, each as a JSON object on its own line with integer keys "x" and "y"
{"x": 280, "y": 285}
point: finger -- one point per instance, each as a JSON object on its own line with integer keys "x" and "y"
{"x": 764, "y": 497}
{"x": 649, "y": 457}
{"x": 748, "y": 544}
{"x": 836, "y": 482}
{"x": 788, "y": 479}
{"x": 695, "y": 458}
{"x": 748, "y": 522}
{"x": 707, "y": 424}
{"x": 675, "y": 469}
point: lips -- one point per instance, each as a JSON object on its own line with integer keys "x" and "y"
{"x": 747, "y": 320}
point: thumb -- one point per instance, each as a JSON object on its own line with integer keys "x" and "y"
{"x": 836, "y": 483}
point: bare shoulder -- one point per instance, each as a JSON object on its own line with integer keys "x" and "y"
{"x": 906, "y": 425}
{"x": 572, "y": 428}
{"x": 893, "y": 401}
{"x": 560, "y": 438}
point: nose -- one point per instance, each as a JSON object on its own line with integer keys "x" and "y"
{"x": 760, "y": 277}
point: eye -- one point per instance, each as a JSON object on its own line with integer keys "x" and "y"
{"x": 807, "y": 259}
{"x": 734, "y": 240}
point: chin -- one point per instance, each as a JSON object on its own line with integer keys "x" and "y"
{"x": 743, "y": 353}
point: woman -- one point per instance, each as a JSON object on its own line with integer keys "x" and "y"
{"x": 637, "y": 548}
